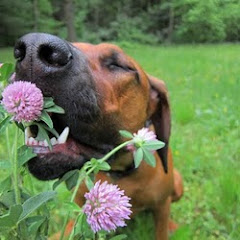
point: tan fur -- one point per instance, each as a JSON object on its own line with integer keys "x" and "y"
{"x": 148, "y": 187}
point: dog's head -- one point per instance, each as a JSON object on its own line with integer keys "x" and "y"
{"x": 102, "y": 91}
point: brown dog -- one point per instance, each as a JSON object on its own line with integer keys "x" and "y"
{"x": 102, "y": 91}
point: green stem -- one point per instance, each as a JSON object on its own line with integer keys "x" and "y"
{"x": 64, "y": 226}
{"x": 81, "y": 179}
{"x": 15, "y": 170}
{"x": 8, "y": 143}
{"x": 75, "y": 224}
{"x": 115, "y": 150}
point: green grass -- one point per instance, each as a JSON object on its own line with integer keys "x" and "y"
{"x": 204, "y": 85}
{"x": 6, "y": 55}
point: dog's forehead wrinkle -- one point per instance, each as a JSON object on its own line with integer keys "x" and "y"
{"x": 109, "y": 57}
{"x": 113, "y": 54}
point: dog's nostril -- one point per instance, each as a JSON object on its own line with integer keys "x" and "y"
{"x": 53, "y": 55}
{"x": 20, "y": 51}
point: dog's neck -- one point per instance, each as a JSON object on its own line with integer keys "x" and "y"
{"x": 116, "y": 174}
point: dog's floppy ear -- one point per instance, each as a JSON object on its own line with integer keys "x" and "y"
{"x": 159, "y": 114}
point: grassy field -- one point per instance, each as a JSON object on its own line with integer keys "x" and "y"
{"x": 204, "y": 87}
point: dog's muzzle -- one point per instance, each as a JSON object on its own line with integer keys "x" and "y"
{"x": 62, "y": 72}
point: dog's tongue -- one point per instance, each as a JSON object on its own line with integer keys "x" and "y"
{"x": 70, "y": 147}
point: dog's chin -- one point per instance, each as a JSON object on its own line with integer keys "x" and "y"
{"x": 52, "y": 166}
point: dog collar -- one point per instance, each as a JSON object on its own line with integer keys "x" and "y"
{"x": 123, "y": 173}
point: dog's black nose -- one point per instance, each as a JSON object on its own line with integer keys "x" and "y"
{"x": 40, "y": 50}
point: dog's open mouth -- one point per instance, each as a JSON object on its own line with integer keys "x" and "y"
{"x": 65, "y": 154}
{"x": 63, "y": 143}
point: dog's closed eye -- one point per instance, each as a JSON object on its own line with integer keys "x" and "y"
{"x": 114, "y": 66}
{"x": 113, "y": 63}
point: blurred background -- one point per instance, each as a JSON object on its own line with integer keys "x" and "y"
{"x": 143, "y": 21}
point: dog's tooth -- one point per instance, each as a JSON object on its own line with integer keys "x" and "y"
{"x": 45, "y": 143}
{"x": 54, "y": 141}
{"x": 27, "y": 132}
{"x": 31, "y": 141}
{"x": 64, "y": 135}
